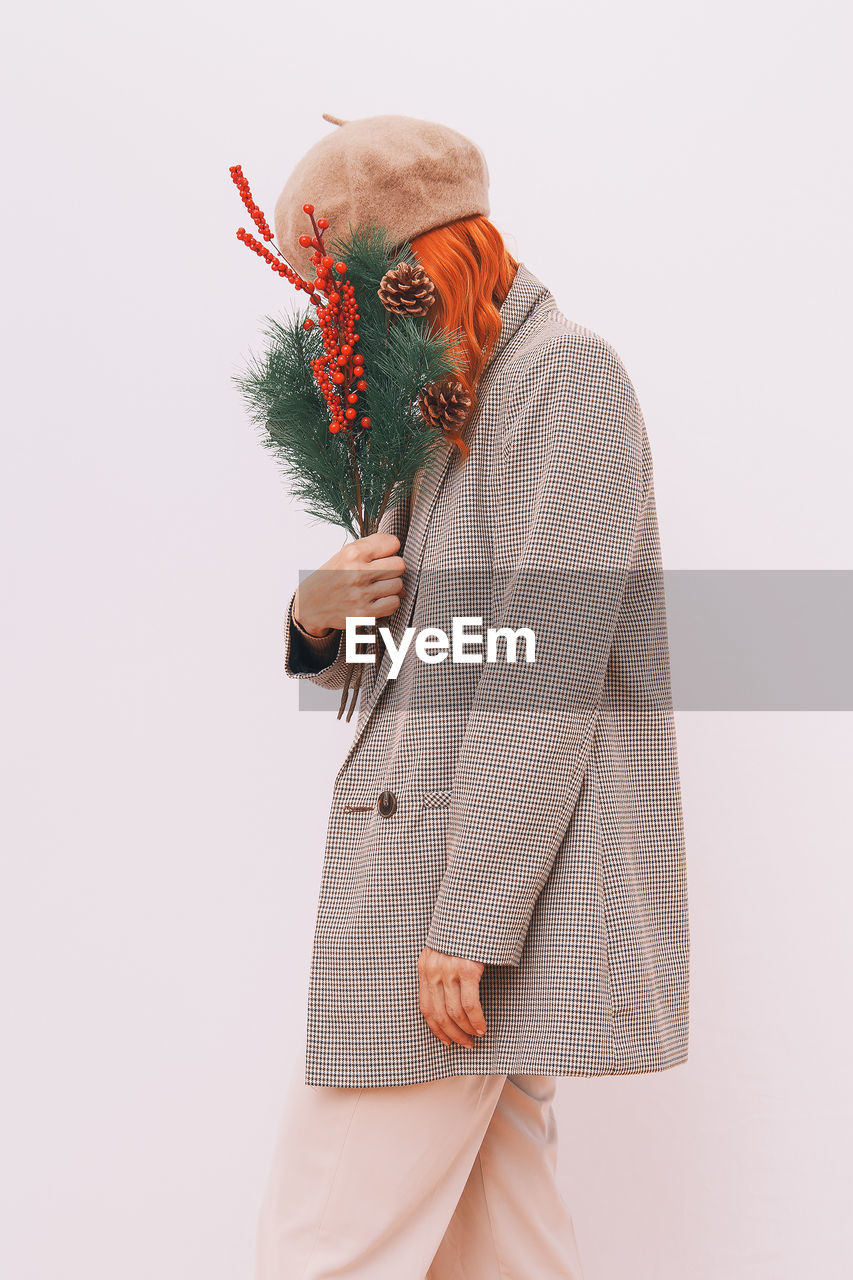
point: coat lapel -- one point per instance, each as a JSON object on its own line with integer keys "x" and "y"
{"x": 413, "y": 540}
{"x": 526, "y": 296}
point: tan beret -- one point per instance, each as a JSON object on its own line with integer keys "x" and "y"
{"x": 405, "y": 174}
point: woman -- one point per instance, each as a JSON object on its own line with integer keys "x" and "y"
{"x": 503, "y": 897}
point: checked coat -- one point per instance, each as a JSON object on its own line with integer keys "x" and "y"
{"x": 527, "y": 815}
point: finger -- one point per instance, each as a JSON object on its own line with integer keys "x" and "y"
{"x": 426, "y": 1010}
{"x": 438, "y": 1033}
{"x": 384, "y": 606}
{"x": 470, "y": 996}
{"x": 387, "y": 587}
{"x": 389, "y": 567}
{"x": 380, "y": 544}
{"x": 455, "y": 1006}
{"x": 443, "y": 1018}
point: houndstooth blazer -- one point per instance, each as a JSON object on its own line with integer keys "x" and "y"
{"x": 527, "y": 815}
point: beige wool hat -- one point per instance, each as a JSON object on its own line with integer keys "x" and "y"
{"x": 405, "y": 174}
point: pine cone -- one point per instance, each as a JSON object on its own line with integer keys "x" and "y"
{"x": 445, "y": 405}
{"x": 406, "y": 290}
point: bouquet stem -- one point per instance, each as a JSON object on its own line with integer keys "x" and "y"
{"x": 352, "y": 686}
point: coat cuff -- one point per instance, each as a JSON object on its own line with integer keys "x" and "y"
{"x": 307, "y": 655}
{"x": 317, "y": 644}
{"x": 457, "y": 936}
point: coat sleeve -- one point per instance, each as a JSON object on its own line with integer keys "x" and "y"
{"x": 568, "y": 481}
{"x": 322, "y": 660}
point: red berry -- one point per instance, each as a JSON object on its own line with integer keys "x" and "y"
{"x": 322, "y": 223}
{"x": 308, "y": 208}
{"x": 308, "y": 324}
{"x": 350, "y": 414}
{"x": 352, "y": 398}
{"x": 305, "y": 241}
{"x": 365, "y": 422}
{"x": 338, "y": 378}
{"x": 340, "y": 267}
{"x": 361, "y": 385}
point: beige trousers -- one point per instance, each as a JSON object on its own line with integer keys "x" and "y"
{"x": 452, "y": 1179}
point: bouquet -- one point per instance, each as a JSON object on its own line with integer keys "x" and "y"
{"x": 353, "y": 399}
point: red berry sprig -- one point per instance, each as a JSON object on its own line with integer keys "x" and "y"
{"x": 278, "y": 264}
{"x": 337, "y": 319}
{"x": 255, "y": 213}
{"x": 341, "y": 369}
{"x": 274, "y": 257}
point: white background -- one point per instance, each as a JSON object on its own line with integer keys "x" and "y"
{"x": 678, "y": 174}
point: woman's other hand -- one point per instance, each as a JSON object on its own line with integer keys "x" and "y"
{"x": 449, "y": 997}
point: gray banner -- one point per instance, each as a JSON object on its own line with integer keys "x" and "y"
{"x": 739, "y": 640}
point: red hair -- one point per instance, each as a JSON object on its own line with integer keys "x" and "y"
{"x": 472, "y": 271}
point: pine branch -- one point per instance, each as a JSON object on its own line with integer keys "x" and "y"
{"x": 350, "y": 478}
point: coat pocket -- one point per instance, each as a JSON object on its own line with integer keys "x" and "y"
{"x": 435, "y": 799}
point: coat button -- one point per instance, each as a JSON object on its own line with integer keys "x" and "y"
{"x": 387, "y": 804}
